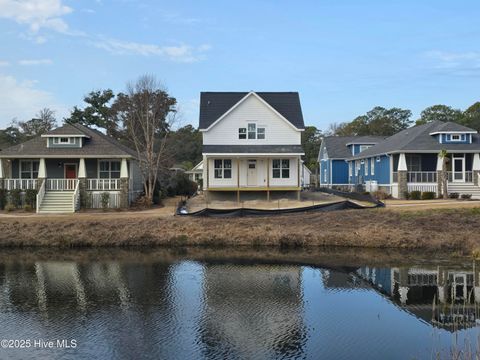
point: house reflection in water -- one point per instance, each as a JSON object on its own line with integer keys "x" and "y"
{"x": 445, "y": 297}
{"x": 253, "y": 311}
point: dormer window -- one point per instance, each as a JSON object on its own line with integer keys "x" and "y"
{"x": 63, "y": 140}
{"x": 456, "y": 137}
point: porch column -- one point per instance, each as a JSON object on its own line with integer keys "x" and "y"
{"x": 42, "y": 173}
{"x": 82, "y": 182}
{"x": 439, "y": 176}
{"x": 299, "y": 164}
{"x": 238, "y": 180}
{"x": 402, "y": 176}
{"x": 124, "y": 184}
{"x": 476, "y": 168}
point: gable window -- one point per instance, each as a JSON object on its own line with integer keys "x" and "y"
{"x": 242, "y": 133}
{"x": 252, "y": 131}
{"x": 222, "y": 168}
{"x": 109, "y": 169}
{"x": 29, "y": 169}
{"x": 281, "y": 168}
{"x": 261, "y": 133}
{"x": 372, "y": 166}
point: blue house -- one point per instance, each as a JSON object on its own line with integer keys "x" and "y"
{"x": 410, "y": 161}
{"x": 333, "y": 155}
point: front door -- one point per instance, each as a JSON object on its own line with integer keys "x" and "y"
{"x": 70, "y": 171}
{"x": 252, "y": 173}
{"x": 458, "y": 168}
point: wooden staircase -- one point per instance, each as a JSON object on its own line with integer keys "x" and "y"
{"x": 57, "y": 202}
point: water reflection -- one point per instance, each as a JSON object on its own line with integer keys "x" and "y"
{"x": 193, "y": 306}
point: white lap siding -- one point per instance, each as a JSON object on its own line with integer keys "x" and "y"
{"x": 292, "y": 180}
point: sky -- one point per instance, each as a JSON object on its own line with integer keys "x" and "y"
{"x": 343, "y": 56}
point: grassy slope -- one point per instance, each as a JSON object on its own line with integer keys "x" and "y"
{"x": 456, "y": 230}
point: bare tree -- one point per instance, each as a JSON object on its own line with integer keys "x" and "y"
{"x": 43, "y": 122}
{"x": 147, "y": 112}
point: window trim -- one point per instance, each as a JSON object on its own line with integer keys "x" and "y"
{"x": 365, "y": 170}
{"x": 222, "y": 169}
{"x": 109, "y": 168}
{"x": 372, "y": 166}
{"x": 280, "y": 169}
{"x": 57, "y": 140}
{"x": 460, "y": 136}
{"x": 240, "y": 133}
{"x": 20, "y": 172}
{"x": 254, "y": 131}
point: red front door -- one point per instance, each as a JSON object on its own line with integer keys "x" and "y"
{"x": 70, "y": 171}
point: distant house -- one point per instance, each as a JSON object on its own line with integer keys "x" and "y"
{"x": 251, "y": 141}
{"x": 196, "y": 174}
{"x": 69, "y": 161}
{"x": 333, "y": 155}
{"x": 409, "y": 161}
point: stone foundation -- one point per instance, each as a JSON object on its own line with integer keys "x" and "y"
{"x": 402, "y": 184}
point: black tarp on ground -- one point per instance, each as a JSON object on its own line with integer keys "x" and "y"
{"x": 341, "y": 205}
{"x": 352, "y": 195}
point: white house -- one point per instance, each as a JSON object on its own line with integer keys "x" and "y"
{"x": 251, "y": 141}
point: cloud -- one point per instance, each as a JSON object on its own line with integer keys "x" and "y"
{"x": 180, "y": 53}
{"x": 36, "y": 14}
{"x": 22, "y": 100}
{"x": 35, "y": 62}
{"x": 461, "y": 63}
{"x": 4, "y": 63}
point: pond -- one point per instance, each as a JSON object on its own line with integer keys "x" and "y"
{"x": 243, "y": 304}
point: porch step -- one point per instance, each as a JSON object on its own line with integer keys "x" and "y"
{"x": 462, "y": 188}
{"x": 55, "y": 202}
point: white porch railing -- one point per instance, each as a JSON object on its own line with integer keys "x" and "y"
{"x": 22, "y": 184}
{"x": 40, "y": 195}
{"x": 76, "y": 197}
{"x": 61, "y": 184}
{"x": 103, "y": 184}
{"x": 467, "y": 176}
{"x": 422, "y": 187}
{"x": 422, "y": 177}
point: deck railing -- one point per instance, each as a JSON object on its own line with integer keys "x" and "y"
{"x": 467, "y": 178}
{"x": 76, "y": 197}
{"x": 22, "y": 184}
{"x": 61, "y": 184}
{"x": 103, "y": 184}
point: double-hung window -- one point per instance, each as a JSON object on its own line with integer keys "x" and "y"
{"x": 63, "y": 140}
{"x": 29, "y": 169}
{"x": 222, "y": 168}
{"x": 281, "y": 168}
{"x": 109, "y": 169}
{"x": 372, "y": 166}
{"x": 242, "y": 133}
{"x": 260, "y": 133}
{"x": 252, "y": 131}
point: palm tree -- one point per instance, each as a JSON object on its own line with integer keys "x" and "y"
{"x": 444, "y": 156}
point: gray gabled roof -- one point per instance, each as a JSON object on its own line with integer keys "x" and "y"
{"x": 95, "y": 144}
{"x": 214, "y": 104}
{"x": 337, "y": 145}
{"x": 66, "y": 129}
{"x": 252, "y": 149}
{"x": 418, "y": 138}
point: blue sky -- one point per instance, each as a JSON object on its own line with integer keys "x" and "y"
{"x": 344, "y": 57}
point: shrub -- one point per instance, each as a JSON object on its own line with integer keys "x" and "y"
{"x": 3, "y": 198}
{"x": 30, "y": 197}
{"x": 9, "y": 207}
{"x": 15, "y": 197}
{"x": 466, "y": 196}
{"x": 453, "y": 195}
{"x": 380, "y": 195}
{"x": 415, "y": 195}
{"x": 406, "y": 194}
{"x": 366, "y": 193}
{"x": 28, "y": 207}
{"x": 428, "y": 195}
{"x": 105, "y": 200}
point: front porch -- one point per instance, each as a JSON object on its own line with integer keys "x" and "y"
{"x": 65, "y": 185}
{"x": 252, "y": 173}
{"x": 423, "y": 172}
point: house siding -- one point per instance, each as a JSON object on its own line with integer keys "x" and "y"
{"x": 325, "y": 172}
{"x": 339, "y": 172}
{"x": 446, "y": 139}
{"x": 252, "y": 110}
{"x": 381, "y": 173}
{"x": 77, "y": 143}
